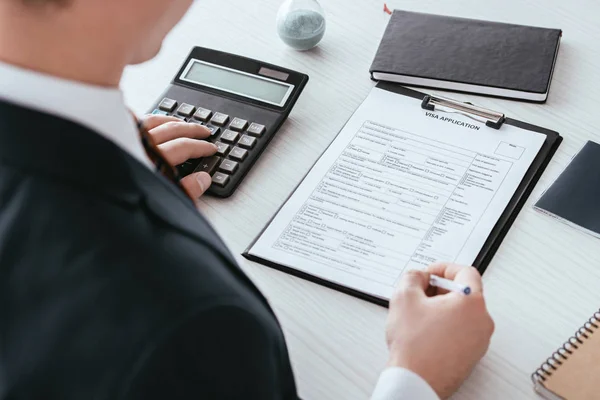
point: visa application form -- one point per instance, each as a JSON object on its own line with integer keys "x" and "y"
{"x": 399, "y": 188}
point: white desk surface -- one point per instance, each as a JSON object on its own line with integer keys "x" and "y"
{"x": 543, "y": 282}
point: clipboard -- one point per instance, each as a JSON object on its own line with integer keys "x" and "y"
{"x": 493, "y": 120}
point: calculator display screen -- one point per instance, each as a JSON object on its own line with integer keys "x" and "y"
{"x": 237, "y": 82}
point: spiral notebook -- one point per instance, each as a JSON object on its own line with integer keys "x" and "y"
{"x": 571, "y": 373}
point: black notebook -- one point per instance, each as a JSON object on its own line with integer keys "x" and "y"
{"x": 574, "y": 197}
{"x": 466, "y": 55}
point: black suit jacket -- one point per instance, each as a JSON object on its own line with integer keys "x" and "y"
{"x": 113, "y": 286}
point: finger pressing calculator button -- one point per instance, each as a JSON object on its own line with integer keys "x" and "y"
{"x": 247, "y": 142}
{"x": 186, "y": 110}
{"x": 229, "y": 136}
{"x": 228, "y": 166}
{"x": 167, "y": 104}
{"x": 220, "y": 119}
{"x": 220, "y": 179}
{"x": 208, "y": 164}
{"x": 222, "y": 148}
{"x": 238, "y": 154}
{"x": 238, "y": 124}
{"x": 214, "y": 131}
{"x": 202, "y": 114}
{"x": 256, "y": 129}
{"x": 179, "y": 117}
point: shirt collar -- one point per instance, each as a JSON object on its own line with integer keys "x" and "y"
{"x": 100, "y": 109}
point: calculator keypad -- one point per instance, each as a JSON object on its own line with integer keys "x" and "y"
{"x": 214, "y": 131}
{"x": 238, "y": 154}
{"x": 256, "y": 129}
{"x": 209, "y": 164}
{"x": 238, "y": 124}
{"x": 167, "y": 105}
{"x": 159, "y": 112}
{"x": 187, "y": 167}
{"x": 202, "y": 114}
{"x": 220, "y": 119}
{"x": 186, "y": 110}
{"x": 247, "y": 142}
{"x": 220, "y": 179}
{"x": 228, "y": 167}
{"x": 234, "y": 137}
{"x": 222, "y": 148}
{"x": 230, "y": 136}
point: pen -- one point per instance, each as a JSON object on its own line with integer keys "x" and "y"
{"x": 449, "y": 285}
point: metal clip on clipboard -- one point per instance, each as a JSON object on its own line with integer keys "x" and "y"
{"x": 491, "y": 118}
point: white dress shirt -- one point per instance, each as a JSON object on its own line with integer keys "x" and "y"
{"x": 104, "y": 111}
{"x": 402, "y": 384}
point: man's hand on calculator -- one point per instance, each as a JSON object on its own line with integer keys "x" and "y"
{"x": 178, "y": 142}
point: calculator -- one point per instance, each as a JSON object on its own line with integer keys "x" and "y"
{"x": 243, "y": 102}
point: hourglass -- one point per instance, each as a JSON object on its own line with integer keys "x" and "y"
{"x": 301, "y": 23}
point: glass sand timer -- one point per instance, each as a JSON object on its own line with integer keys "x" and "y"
{"x": 301, "y": 23}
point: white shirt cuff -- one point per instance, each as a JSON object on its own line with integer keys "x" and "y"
{"x": 402, "y": 384}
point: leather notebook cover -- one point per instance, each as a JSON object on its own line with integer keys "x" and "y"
{"x": 575, "y": 196}
{"x": 453, "y": 51}
{"x": 571, "y": 373}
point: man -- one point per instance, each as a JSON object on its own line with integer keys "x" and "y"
{"x": 112, "y": 285}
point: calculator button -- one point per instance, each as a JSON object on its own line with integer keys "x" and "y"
{"x": 220, "y": 119}
{"x": 247, "y": 142}
{"x": 238, "y": 124}
{"x": 214, "y": 131}
{"x": 222, "y": 148}
{"x": 203, "y": 114}
{"x": 256, "y": 129}
{"x": 208, "y": 164}
{"x": 238, "y": 154}
{"x": 186, "y": 168}
{"x": 186, "y": 110}
{"x": 159, "y": 112}
{"x": 228, "y": 166}
{"x": 179, "y": 117}
{"x": 167, "y": 104}
{"x": 220, "y": 179}
{"x": 229, "y": 136}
